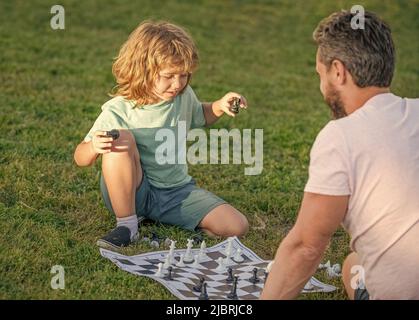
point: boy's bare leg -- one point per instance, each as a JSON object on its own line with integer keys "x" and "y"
{"x": 122, "y": 173}
{"x": 224, "y": 221}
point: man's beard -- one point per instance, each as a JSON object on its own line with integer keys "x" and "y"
{"x": 333, "y": 99}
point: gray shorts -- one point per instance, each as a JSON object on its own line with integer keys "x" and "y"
{"x": 183, "y": 206}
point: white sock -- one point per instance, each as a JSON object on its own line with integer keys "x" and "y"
{"x": 131, "y": 222}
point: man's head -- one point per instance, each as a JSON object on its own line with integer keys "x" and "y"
{"x": 359, "y": 57}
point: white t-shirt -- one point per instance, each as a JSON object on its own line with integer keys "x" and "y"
{"x": 373, "y": 156}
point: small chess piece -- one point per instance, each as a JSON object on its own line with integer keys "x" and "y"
{"x": 198, "y": 287}
{"x": 170, "y": 276}
{"x": 230, "y": 277}
{"x": 188, "y": 254}
{"x": 238, "y": 256}
{"x": 221, "y": 267}
{"x": 159, "y": 272}
{"x": 196, "y": 264}
{"x": 204, "y": 294}
{"x": 254, "y": 279}
{"x": 236, "y": 105}
{"x": 233, "y": 294}
{"x": 180, "y": 263}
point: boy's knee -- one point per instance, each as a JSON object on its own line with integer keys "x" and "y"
{"x": 124, "y": 144}
{"x": 241, "y": 227}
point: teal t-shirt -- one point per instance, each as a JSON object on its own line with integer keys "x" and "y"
{"x": 177, "y": 116}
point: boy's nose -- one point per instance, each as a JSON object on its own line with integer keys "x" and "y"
{"x": 176, "y": 84}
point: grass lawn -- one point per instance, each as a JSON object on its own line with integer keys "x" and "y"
{"x": 53, "y": 83}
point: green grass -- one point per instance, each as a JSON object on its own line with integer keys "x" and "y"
{"x": 54, "y": 82}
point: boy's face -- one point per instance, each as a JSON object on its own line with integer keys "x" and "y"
{"x": 169, "y": 83}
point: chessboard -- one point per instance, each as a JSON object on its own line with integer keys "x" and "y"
{"x": 182, "y": 281}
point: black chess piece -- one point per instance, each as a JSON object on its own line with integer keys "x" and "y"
{"x": 233, "y": 293}
{"x": 113, "y": 133}
{"x": 230, "y": 277}
{"x": 254, "y": 279}
{"x": 236, "y": 106}
{"x": 170, "y": 276}
{"x": 197, "y": 239}
{"x": 204, "y": 294}
{"x": 198, "y": 287}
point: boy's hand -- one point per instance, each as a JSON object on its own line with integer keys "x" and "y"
{"x": 101, "y": 143}
{"x": 225, "y": 103}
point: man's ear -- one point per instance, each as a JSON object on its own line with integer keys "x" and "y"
{"x": 338, "y": 72}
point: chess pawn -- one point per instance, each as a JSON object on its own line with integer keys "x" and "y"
{"x": 204, "y": 294}
{"x": 227, "y": 260}
{"x": 159, "y": 272}
{"x": 202, "y": 251}
{"x": 180, "y": 264}
{"x": 238, "y": 256}
{"x": 196, "y": 264}
{"x": 221, "y": 267}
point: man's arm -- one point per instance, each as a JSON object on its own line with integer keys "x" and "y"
{"x": 299, "y": 254}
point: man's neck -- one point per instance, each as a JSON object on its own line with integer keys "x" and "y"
{"x": 356, "y": 98}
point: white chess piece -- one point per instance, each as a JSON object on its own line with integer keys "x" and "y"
{"x": 221, "y": 267}
{"x": 180, "y": 263}
{"x": 202, "y": 250}
{"x": 325, "y": 266}
{"x": 238, "y": 256}
{"x": 333, "y": 272}
{"x": 269, "y": 266}
{"x": 172, "y": 259}
{"x": 166, "y": 262}
{"x": 172, "y": 244}
{"x": 336, "y": 268}
{"x": 227, "y": 260}
{"x": 188, "y": 254}
{"x": 159, "y": 272}
{"x": 196, "y": 264}
{"x": 229, "y": 247}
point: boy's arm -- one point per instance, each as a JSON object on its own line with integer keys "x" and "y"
{"x": 214, "y": 110}
{"x": 85, "y": 155}
{"x": 87, "y": 152}
{"x": 211, "y": 112}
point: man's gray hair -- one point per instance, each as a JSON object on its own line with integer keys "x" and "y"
{"x": 368, "y": 54}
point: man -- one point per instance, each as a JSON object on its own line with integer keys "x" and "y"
{"x": 364, "y": 171}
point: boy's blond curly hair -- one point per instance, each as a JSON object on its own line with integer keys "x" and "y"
{"x": 151, "y": 47}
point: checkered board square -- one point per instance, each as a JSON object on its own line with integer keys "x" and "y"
{"x": 185, "y": 278}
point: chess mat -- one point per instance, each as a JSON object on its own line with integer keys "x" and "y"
{"x": 185, "y": 278}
